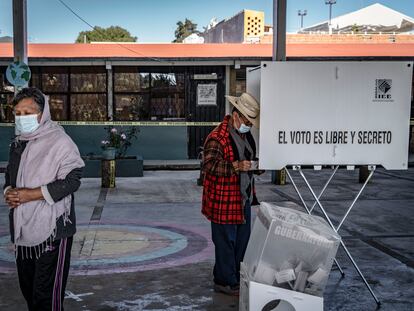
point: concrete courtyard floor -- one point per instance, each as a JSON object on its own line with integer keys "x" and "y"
{"x": 145, "y": 246}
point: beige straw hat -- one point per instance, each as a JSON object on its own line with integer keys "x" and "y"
{"x": 248, "y": 106}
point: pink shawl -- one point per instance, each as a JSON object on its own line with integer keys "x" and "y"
{"x": 50, "y": 155}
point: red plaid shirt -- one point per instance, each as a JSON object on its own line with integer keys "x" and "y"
{"x": 222, "y": 199}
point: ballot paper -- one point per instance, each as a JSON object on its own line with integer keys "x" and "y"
{"x": 318, "y": 276}
{"x": 300, "y": 282}
{"x": 285, "y": 276}
{"x": 265, "y": 274}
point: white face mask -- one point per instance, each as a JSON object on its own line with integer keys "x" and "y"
{"x": 244, "y": 128}
{"x": 26, "y": 124}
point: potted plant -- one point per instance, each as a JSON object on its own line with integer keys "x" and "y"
{"x": 117, "y": 142}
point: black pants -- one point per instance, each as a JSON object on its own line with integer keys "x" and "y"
{"x": 230, "y": 242}
{"x": 43, "y": 280}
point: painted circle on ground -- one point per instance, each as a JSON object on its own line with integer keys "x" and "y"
{"x": 125, "y": 247}
{"x": 115, "y": 244}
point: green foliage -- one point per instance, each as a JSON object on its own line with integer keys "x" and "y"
{"x": 119, "y": 139}
{"x": 184, "y": 29}
{"x": 110, "y": 34}
{"x": 355, "y": 28}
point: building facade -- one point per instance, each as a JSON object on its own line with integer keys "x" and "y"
{"x": 173, "y": 92}
{"x": 247, "y": 26}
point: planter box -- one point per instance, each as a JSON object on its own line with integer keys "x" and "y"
{"x": 125, "y": 167}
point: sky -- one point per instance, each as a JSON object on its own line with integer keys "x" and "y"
{"x": 155, "y": 20}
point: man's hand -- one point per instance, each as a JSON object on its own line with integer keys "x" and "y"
{"x": 12, "y": 198}
{"x": 244, "y": 166}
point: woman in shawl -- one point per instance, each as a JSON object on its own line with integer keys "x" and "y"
{"x": 43, "y": 172}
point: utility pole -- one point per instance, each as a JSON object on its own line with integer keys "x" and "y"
{"x": 279, "y": 54}
{"x": 302, "y": 14}
{"x": 330, "y": 3}
{"x": 279, "y": 30}
{"x": 20, "y": 34}
{"x": 20, "y": 30}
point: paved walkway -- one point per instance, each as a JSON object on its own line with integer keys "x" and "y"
{"x": 145, "y": 246}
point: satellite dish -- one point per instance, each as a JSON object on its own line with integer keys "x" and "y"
{"x": 18, "y": 74}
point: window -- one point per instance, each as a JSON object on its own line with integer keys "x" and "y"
{"x": 132, "y": 107}
{"x": 88, "y": 107}
{"x": 75, "y": 93}
{"x": 53, "y": 81}
{"x": 167, "y": 96}
{"x": 143, "y": 94}
{"x": 131, "y": 81}
{"x": 88, "y": 94}
{"x": 82, "y": 80}
{"x": 131, "y": 94}
{"x": 58, "y": 107}
{"x": 6, "y": 97}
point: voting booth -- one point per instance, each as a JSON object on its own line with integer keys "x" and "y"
{"x": 324, "y": 115}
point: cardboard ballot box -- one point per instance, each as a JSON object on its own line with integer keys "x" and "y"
{"x": 290, "y": 250}
{"x": 261, "y": 297}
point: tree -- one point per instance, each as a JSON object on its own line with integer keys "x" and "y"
{"x": 184, "y": 30}
{"x": 355, "y": 28}
{"x": 110, "y": 34}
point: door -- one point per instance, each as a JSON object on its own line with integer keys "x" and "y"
{"x": 205, "y": 103}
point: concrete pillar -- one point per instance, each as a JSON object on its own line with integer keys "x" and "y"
{"x": 227, "y": 90}
{"x": 110, "y": 91}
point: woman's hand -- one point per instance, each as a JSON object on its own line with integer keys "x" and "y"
{"x": 27, "y": 195}
{"x": 17, "y": 196}
{"x": 12, "y": 198}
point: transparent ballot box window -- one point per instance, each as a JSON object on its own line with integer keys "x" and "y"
{"x": 291, "y": 250}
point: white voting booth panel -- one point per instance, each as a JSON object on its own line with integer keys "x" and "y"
{"x": 253, "y": 88}
{"x": 334, "y": 113}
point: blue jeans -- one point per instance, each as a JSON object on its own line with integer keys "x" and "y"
{"x": 230, "y": 243}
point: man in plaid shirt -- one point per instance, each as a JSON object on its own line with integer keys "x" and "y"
{"x": 228, "y": 192}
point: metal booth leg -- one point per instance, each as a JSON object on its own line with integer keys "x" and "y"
{"x": 324, "y": 187}
{"x": 309, "y": 211}
{"x": 372, "y": 170}
{"x": 333, "y": 227}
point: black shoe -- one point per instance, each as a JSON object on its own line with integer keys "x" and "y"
{"x": 227, "y": 289}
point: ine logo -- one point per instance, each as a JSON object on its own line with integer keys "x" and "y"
{"x": 383, "y": 90}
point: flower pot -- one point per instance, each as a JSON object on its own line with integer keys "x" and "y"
{"x": 109, "y": 153}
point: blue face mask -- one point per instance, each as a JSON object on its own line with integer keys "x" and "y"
{"x": 26, "y": 124}
{"x": 243, "y": 129}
